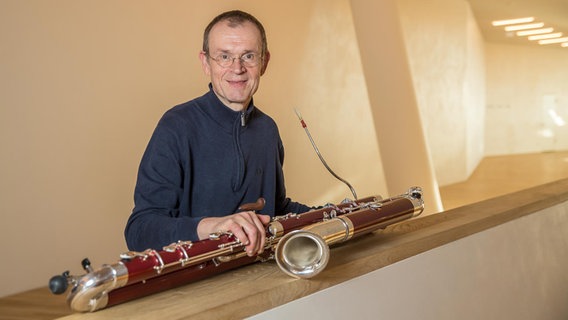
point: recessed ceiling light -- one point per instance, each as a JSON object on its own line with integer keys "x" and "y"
{"x": 524, "y": 26}
{"x": 535, "y": 31}
{"x": 556, "y": 40}
{"x": 546, "y": 36}
{"x": 498, "y": 23}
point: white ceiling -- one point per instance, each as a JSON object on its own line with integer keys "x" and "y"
{"x": 554, "y": 13}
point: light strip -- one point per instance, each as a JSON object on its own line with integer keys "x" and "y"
{"x": 498, "y": 23}
{"x": 535, "y": 31}
{"x": 556, "y": 40}
{"x": 565, "y": 44}
{"x": 524, "y": 26}
{"x": 546, "y": 36}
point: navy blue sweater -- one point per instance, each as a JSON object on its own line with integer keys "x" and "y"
{"x": 205, "y": 160}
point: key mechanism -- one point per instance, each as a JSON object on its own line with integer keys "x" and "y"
{"x": 58, "y": 284}
{"x": 86, "y": 263}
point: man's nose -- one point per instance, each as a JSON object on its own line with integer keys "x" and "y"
{"x": 237, "y": 65}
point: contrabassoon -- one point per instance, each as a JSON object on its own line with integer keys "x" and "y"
{"x": 298, "y": 242}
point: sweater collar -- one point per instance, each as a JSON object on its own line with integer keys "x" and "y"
{"x": 225, "y": 116}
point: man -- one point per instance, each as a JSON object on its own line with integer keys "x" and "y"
{"x": 215, "y": 153}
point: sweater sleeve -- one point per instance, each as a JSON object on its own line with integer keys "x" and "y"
{"x": 156, "y": 220}
{"x": 285, "y": 205}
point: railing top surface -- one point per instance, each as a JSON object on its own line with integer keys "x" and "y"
{"x": 262, "y": 286}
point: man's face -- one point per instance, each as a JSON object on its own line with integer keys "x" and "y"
{"x": 234, "y": 85}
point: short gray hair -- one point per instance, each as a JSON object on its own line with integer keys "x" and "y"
{"x": 235, "y": 18}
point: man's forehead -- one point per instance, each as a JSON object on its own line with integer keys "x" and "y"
{"x": 228, "y": 26}
{"x": 226, "y": 33}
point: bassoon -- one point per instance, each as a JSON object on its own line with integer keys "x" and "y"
{"x": 298, "y": 242}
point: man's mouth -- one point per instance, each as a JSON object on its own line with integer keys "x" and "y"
{"x": 236, "y": 81}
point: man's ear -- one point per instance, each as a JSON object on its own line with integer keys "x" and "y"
{"x": 205, "y": 63}
{"x": 265, "y": 62}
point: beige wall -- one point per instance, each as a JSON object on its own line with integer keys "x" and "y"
{"x": 319, "y": 72}
{"x": 445, "y": 52}
{"x": 404, "y": 153}
{"x": 526, "y": 82}
{"x": 84, "y": 83}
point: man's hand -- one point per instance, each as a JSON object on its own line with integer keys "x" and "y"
{"x": 247, "y": 226}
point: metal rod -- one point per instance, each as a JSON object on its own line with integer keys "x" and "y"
{"x": 305, "y": 126}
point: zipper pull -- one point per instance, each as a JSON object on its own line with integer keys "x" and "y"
{"x": 243, "y": 121}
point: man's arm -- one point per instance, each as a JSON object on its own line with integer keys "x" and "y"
{"x": 156, "y": 219}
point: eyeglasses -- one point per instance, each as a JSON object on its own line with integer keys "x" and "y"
{"x": 248, "y": 60}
